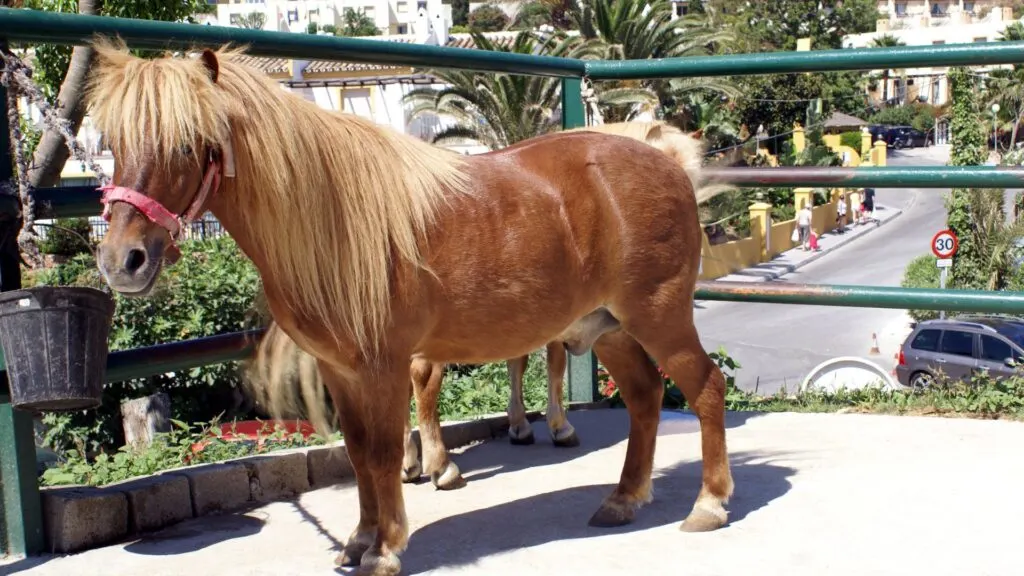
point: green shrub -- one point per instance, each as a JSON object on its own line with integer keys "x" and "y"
{"x": 921, "y": 272}
{"x": 488, "y": 18}
{"x": 209, "y": 291}
{"x": 67, "y": 237}
{"x": 852, "y": 139}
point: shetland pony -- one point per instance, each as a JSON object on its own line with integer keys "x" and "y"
{"x": 375, "y": 248}
{"x": 276, "y": 349}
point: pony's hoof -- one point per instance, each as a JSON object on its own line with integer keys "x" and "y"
{"x": 351, "y": 555}
{"x": 612, "y": 514}
{"x": 704, "y": 520}
{"x": 412, "y": 474}
{"x": 570, "y": 441}
{"x": 450, "y": 479}
{"x": 375, "y": 563}
{"x": 523, "y": 441}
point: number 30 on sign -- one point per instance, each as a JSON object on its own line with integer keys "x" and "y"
{"x": 944, "y": 246}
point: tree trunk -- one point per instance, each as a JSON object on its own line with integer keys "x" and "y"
{"x": 143, "y": 418}
{"x": 52, "y": 152}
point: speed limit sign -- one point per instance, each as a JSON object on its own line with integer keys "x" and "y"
{"x": 944, "y": 244}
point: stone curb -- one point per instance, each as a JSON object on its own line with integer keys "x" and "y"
{"x": 77, "y": 518}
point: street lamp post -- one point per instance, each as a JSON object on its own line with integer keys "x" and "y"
{"x": 995, "y": 129}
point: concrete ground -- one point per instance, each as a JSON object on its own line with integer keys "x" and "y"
{"x": 815, "y": 494}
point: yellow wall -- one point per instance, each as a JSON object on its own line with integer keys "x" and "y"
{"x": 723, "y": 259}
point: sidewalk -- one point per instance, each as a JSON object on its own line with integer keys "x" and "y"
{"x": 794, "y": 259}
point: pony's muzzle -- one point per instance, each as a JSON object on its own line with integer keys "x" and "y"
{"x": 130, "y": 269}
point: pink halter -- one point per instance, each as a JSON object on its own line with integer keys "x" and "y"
{"x": 160, "y": 215}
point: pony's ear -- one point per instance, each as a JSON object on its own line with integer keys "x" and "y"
{"x": 210, "y": 61}
{"x": 698, "y": 133}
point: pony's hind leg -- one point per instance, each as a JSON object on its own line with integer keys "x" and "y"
{"x": 427, "y": 378}
{"x": 673, "y": 342}
{"x": 562, "y": 432}
{"x": 520, "y": 431}
{"x": 642, "y": 390}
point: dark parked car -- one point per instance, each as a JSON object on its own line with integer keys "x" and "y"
{"x": 900, "y": 136}
{"x": 907, "y": 137}
{"x": 961, "y": 347}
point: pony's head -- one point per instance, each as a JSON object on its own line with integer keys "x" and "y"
{"x": 167, "y": 124}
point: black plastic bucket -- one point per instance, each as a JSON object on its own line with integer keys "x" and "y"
{"x": 55, "y": 346}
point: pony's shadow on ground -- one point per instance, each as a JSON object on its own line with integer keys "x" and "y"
{"x": 198, "y": 533}
{"x": 562, "y": 515}
{"x": 596, "y": 429}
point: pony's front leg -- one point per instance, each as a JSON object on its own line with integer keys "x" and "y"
{"x": 520, "y": 431}
{"x": 427, "y": 378}
{"x": 563, "y": 433}
{"x": 373, "y": 406}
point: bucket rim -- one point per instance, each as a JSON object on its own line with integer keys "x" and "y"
{"x": 94, "y": 294}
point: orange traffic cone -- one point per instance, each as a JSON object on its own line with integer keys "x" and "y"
{"x": 874, "y": 348}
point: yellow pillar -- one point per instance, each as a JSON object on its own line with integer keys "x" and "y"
{"x": 881, "y": 150}
{"x": 760, "y": 226}
{"x": 865, "y": 142}
{"x": 802, "y": 196}
{"x": 799, "y": 138}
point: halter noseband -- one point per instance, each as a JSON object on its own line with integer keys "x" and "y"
{"x": 158, "y": 213}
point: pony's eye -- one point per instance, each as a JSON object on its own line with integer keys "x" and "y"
{"x": 186, "y": 150}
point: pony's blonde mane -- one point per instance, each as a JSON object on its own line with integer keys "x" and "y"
{"x": 333, "y": 202}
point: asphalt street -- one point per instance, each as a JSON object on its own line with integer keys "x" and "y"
{"x": 777, "y": 345}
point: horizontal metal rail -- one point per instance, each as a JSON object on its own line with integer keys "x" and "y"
{"x": 857, "y": 296}
{"x": 20, "y": 25}
{"x": 82, "y": 201}
{"x": 163, "y": 358}
{"x": 973, "y": 54}
{"x": 57, "y": 28}
{"x": 876, "y": 177}
{"x": 142, "y": 362}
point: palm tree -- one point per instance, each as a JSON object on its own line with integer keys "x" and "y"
{"x": 498, "y": 110}
{"x": 641, "y": 29}
{"x": 886, "y": 41}
{"x": 995, "y": 236}
{"x": 1005, "y": 86}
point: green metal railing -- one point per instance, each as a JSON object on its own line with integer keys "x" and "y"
{"x": 20, "y": 509}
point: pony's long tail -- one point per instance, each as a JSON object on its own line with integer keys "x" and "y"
{"x": 686, "y": 149}
{"x": 285, "y": 381}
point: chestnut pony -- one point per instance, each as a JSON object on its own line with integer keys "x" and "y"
{"x": 376, "y": 248}
{"x": 276, "y": 348}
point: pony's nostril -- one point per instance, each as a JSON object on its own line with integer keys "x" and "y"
{"x": 136, "y": 258}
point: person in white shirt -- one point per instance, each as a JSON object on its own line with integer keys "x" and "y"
{"x": 803, "y": 222}
{"x": 841, "y": 215}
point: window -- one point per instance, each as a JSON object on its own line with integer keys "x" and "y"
{"x": 980, "y": 39}
{"x": 901, "y": 8}
{"x": 957, "y": 343}
{"x": 402, "y": 29}
{"x": 968, "y": 6}
{"x": 938, "y": 10}
{"x": 293, "y": 15}
{"x": 994, "y": 349}
{"x": 927, "y": 340}
{"x": 938, "y": 42}
{"x": 402, "y": 6}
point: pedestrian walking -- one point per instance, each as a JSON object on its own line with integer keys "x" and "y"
{"x": 803, "y": 222}
{"x": 855, "y": 199}
{"x": 841, "y": 215}
{"x": 869, "y": 206}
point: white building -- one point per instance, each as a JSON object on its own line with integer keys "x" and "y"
{"x": 390, "y": 16}
{"x": 931, "y": 23}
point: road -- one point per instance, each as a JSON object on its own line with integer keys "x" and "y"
{"x": 777, "y": 345}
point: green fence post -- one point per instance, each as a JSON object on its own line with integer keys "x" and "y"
{"x": 21, "y": 531}
{"x": 582, "y": 370}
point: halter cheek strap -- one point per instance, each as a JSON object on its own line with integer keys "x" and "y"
{"x": 158, "y": 214}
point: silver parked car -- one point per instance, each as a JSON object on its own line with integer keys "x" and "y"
{"x": 960, "y": 347}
